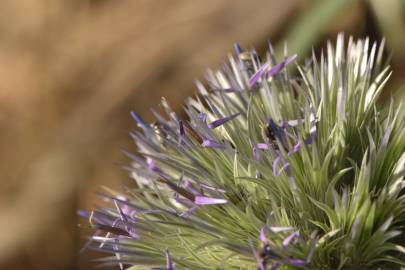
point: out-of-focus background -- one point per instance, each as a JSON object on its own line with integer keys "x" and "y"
{"x": 72, "y": 70}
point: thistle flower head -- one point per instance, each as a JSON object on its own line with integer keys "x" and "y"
{"x": 268, "y": 171}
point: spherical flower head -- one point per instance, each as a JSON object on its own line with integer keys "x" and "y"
{"x": 268, "y": 171}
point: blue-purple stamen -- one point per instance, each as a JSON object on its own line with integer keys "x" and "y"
{"x": 277, "y": 68}
{"x": 139, "y": 121}
{"x": 290, "y": 238}
{"x": 264, "y": 70}
{"x": 237, "y": 48}
{"x": 259, "y": 74}
{"x": 222, "y": 121}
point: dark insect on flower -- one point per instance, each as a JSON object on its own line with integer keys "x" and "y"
{"x": 272, "y": 133}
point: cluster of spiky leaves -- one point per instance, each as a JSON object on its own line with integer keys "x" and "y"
{"x": 269, "y": 171}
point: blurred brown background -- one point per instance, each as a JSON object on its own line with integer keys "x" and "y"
{"x": 72, "y": 70}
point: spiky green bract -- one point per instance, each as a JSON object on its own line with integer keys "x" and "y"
{"x": 307, "y": 173}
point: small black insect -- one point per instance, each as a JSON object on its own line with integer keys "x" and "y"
{"x": 273, "y": 133}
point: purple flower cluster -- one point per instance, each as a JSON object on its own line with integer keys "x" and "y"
{"x": 185, "y": 193}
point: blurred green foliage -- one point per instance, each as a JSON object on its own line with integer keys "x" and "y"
{"x": 388, "y": 18}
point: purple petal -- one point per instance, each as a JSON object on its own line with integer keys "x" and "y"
{"x": 137, "y": 118}
{"x": 289, "y": 238}
{"x": 139, "y": 122}
{"x": 222, "y": 121}
{"x": 262, "y": 146}
{"x": 259, "y": 146}
{"x": 277, "y": 68}
{"x": 237, "y": 48}
{"x": 263, "y": 234}
{"x": 83, "y": 214}
{"x": 260, "y": 72}
{"x": 212, "y": 144}
{"x": 295, "y": 148}
{"x": 201, "y": 200}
